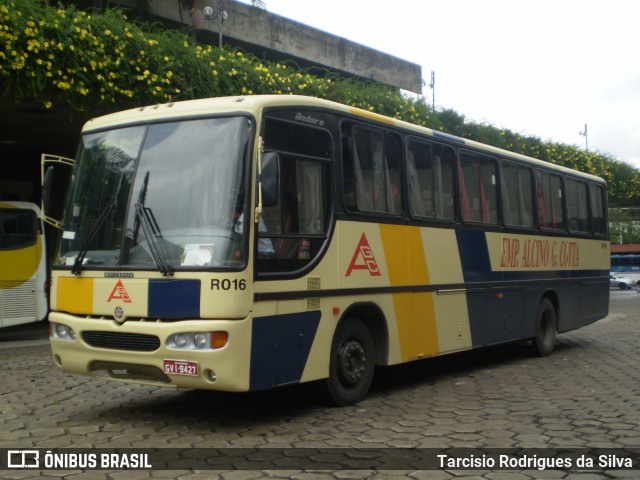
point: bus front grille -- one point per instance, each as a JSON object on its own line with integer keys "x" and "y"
{"x": 136, "y": 342}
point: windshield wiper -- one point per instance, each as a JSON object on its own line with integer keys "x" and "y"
{"x": 145, "y": 219}
{"x": 82, "y": 253}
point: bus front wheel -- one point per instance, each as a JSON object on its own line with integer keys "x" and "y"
{"x": 352, "y": 363}
{"x": 546, "y": 329}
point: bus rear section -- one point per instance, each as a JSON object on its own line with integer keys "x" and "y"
{"x": 23, "y": 276}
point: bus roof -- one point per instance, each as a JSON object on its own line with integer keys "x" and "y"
{"x": 254, "y": 104}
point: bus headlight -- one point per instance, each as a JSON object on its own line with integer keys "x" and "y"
{"x": 62, "y": 332}
{"x": 197, "y": 340}
{"x": 180, "y": 340}
{"x": 201, "y": 340}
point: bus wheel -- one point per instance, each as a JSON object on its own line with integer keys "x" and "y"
{"x": 352, "y": 363}
{"x": 546, "y": 329}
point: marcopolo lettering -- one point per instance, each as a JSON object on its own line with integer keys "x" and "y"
{"x": 309, "y": 119}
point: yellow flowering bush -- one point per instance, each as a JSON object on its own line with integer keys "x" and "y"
{"x": 98, "y": 63}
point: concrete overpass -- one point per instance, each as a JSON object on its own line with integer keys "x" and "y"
{"x": 274, "y": 37}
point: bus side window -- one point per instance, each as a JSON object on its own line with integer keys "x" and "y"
{"x": 598, "y": 210}
{"x": 348, "y": 182}
{"x": 517, "y": 195}
{"x": 296, "y": 224}
{"x": 18, "y": 228}
{"x": 577, "y": 206}
{"x": 550, "y": 212}
{"x": 371, "y": 170}
{"x": 478, "y": 188}
{"x": 445, "y": 182}
{"x": 420, "y": 175}
{"x": 430, "y": 180}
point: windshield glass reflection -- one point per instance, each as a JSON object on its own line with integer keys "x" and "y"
{"x": 158, "y": 197}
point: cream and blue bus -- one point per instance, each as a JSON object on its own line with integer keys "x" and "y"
{"x": 23, "y": 264}
{"x": 246, "y": 243}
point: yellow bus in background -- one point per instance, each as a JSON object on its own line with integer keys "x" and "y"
{"x": 23, "y": 264}
{"x": 245, "y": 243}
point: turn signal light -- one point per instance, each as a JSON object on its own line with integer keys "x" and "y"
{"x": 219, "y": 339}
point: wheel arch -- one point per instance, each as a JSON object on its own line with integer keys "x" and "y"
{"x": 374, "y": 319}
{"x": 553, "y": 297}
{"x": 546, "y": 327}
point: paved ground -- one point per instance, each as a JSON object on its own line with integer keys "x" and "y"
{"x": 587, "y": 394}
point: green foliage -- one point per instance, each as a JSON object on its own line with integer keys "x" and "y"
{"x": 622, "y": 226}
{"x": 97, "y": 63}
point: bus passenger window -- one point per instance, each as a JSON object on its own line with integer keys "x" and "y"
{"x": 577, "y": 206}
{"x": 430, "y": 180}
{"x": 517, "y": 195}
{"x": 478, "y": 189}
{"x": 598, "y": 212}
{"x": 549, "y": 189}
{"x": 445, "y": 183}
{"x": 372, "y": 170}
{"x": 420, "y": 177}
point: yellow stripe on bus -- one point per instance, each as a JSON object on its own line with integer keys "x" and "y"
{"x": 415, "y": 316}
{"x": 445, "y": 268}
{"x": 75, "y": 295}
{"x": 20, "y": 265}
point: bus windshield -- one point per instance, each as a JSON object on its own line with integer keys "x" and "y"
{"x": 162, "y": 196}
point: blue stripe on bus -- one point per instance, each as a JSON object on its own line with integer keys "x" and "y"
{"x": 497, "y": 315}
{"x": 174, "y": 298}
{"x": 280, "y": 346}
{"x": 487, "y": 325}
{"x": 474, "y": 257}
{"x": 476, "y": 264}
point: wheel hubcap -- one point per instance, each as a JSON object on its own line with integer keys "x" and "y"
{"x": 352, "y": 361}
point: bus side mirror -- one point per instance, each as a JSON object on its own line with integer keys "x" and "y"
{"x": 55, "y": 174}
{"x": 46, "y": 189}
{"x": 270, "y": 179}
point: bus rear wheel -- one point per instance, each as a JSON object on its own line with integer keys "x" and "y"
{"x": 352, "y": 363}
{"x": 546, "y": 329}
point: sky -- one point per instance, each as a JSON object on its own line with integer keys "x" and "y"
{"x": 536, "y": 67}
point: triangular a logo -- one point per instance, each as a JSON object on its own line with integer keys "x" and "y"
{"x": 119, "y": 293}
{"x": 363, "y": 259}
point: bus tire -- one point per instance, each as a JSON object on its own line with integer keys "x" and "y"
{"x": 546, "y": 329}
{"x": 352, "y": 363}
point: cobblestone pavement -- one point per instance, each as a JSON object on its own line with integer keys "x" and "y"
{"x": 586, "y": 394}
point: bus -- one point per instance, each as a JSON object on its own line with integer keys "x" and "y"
{"x": 246, "y": 243}
{"x": 625, "y": 263}
{"x": 23, "y": 264}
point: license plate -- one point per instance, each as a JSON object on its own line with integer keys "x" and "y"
{"x": 181, "y": 367}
